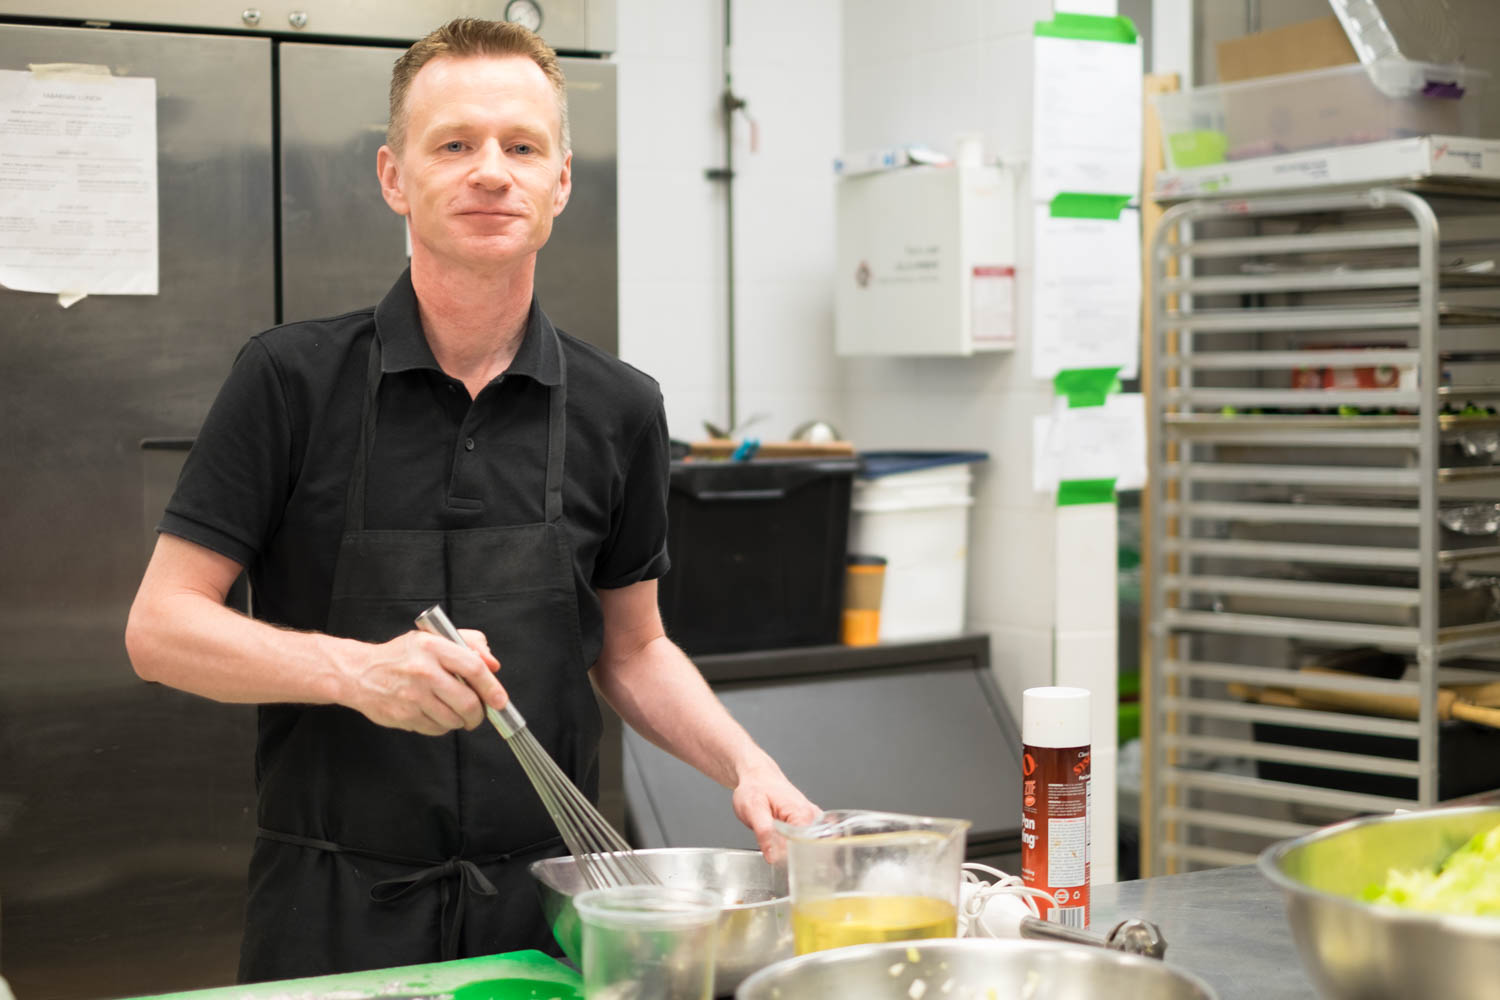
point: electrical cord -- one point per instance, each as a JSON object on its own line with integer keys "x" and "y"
{"x": 994, "y": 908}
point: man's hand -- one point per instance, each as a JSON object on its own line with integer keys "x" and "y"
{"x": 763, "y": 796}
{"x": 426, "y": 684}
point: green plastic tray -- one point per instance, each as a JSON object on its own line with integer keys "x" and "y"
{"x": 517, "y": 975}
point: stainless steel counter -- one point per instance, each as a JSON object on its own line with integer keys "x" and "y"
{"x": 1226, "y": 925}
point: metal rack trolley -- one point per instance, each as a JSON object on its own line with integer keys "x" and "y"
{"x": 1265, "y": 495}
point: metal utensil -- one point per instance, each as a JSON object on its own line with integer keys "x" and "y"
{"x": 1134, "y": 936}
{"x": 755, "y": 926}
{"x": 603, "y": 856}
{"x": 970, "y": 969}
{"x": 1354, "y": 950}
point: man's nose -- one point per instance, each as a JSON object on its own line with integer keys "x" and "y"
{"x": 491, "y": 170}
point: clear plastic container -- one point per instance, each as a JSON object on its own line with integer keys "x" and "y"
{"x": 648, "y": 942}
{"x": 859, "y": 877}
{"x": 1319, "y": 109}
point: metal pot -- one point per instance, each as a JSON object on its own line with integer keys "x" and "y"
{"x": 755, "y": 927}
{"x": 1355, "y": 950}
{"x": 971, "y": 969}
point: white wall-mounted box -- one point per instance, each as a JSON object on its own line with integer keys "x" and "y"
{"x": 926, "y": 261}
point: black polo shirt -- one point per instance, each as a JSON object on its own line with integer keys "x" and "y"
{"x": 266, "y": 479}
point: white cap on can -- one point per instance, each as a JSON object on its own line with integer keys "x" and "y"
{"x": 1055, "y": 717}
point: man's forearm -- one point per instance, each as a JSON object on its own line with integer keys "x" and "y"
{"x": 659, "y": 692}
{"x": 189, "y": 641}
{"x": 181, "y": 634}
{"x": 661, "y": 695}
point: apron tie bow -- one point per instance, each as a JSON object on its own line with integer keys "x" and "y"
{"x": 470, "y": 880}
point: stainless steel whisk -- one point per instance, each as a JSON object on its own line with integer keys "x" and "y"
{"x": 602, "y": 855}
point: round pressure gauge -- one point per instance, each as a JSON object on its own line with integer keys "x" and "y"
{"x": 526, "y": 13}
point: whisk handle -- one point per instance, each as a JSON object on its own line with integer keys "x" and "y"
{"x": 507, "y": 720}
{"x": 435, "y": 620}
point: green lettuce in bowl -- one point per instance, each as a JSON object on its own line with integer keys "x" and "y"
{"x": 1467, "y": 883}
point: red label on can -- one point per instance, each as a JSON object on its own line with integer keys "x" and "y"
{"x": 1055, "y": 794}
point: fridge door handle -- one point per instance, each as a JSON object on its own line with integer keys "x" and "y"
{"x": 166, "y": 444}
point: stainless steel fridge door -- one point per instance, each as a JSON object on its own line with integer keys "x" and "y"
{"x": 126, "y": 809}
{"x": 567, "y": 25}
{"x": 342, "y": 247}
{"x": 577, "y": 274}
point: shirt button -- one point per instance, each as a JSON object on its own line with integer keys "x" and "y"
{"x": 468, "y": 444}
{"x": 452, "y": 387}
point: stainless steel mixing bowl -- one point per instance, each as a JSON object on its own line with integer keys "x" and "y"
{"x": 1357, "y": 951}
{"x": 971, "y": 969}
{"x": 755, "y": 928}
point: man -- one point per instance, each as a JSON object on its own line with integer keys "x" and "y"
{"x": 447, "y": 447}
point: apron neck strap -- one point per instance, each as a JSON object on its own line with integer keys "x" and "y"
{"x": 557, "y": 437}
{"x": 354, "y": 498}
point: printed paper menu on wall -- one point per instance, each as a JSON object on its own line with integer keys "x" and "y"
{"x": 78, "y": 191}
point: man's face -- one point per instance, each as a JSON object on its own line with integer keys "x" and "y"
{"x": 482, "y": 173}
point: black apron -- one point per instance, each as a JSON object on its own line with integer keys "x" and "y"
{"x": 379, "y": 847}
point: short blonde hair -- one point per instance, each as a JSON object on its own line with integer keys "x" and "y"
{"x": 472, "y": 36}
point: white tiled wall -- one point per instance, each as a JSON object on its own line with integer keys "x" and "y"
{"x": 962, "y": 66}
{"x": 673, "y": 293}
{"x": 822, "y": 77}
{"x": 1041, "y": 581}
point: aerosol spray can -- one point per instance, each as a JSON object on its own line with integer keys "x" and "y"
{"x": 1055, "y": 800}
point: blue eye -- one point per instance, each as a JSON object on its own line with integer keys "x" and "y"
{"x": 525, "y": 149}
{"x": 454, "y": 146}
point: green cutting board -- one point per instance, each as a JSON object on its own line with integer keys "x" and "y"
{"x": 517, "y": 975}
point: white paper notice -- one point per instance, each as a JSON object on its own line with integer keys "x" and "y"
{"x": 1086, "y": 118}
{"x": 1091, "y": 442}
{"x": 993, "y": 305}
{"x": 1086, "y": 293}
{"x": 78, "y": 183}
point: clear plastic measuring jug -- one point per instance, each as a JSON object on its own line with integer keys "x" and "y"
{"x": 858, "y": 876}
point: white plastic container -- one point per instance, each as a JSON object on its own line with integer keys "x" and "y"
{"x": 926, "y": 261}
{"x": 1293, "y": 112}
{"x": 919, "y": 521}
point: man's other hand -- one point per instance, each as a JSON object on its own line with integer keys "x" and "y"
{"x": 764, "y": 796}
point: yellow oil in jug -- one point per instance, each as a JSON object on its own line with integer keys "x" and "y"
{"x": 858, "y": 919}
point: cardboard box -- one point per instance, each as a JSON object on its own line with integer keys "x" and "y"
{"x": 1292, "y": 49}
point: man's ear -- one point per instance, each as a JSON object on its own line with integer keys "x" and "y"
{"x": 388, "y": 169}
{"x": 564, "y": 187}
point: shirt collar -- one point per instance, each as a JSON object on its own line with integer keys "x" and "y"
{"x": 403, "y": 345}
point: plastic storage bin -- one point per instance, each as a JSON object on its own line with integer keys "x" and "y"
{"x": 757, "y": 553}
{"x": 1468, "y": 759}
{"x": 913, "y": 509}
{"x": 1315, "y": 110}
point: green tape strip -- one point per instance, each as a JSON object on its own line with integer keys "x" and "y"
{"x": 1072, "y": 492}
{"x": 1077, "y": 205}
{"x": 1088, "y": 28}
{"x": 1086, "y": 386}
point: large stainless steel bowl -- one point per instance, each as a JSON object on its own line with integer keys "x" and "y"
{"x": 1357, "y": 951}
{"x": 755, "y": 928}
{"x": 972, "y": 969}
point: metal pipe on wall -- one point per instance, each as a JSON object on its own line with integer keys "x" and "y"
{"x": 729, "y": 103}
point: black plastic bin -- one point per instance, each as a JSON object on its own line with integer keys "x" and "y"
{"x": 1468, "y": 759}
{"x": 757, "y": 553}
